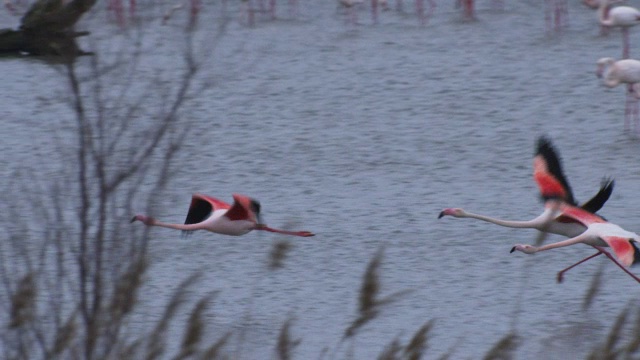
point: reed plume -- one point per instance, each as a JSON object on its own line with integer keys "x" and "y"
{"x": 286, "y": 345}
{"x": 504, "y": 349}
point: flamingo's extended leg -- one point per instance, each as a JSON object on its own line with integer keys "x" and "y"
{"x": 561, "y": 272}
{"x": 625, "y": 43}
{"x": 630, "y": 102}
{"x": 617, "y": 263}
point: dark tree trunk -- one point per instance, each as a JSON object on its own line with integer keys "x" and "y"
{"x": 47, "y": 29}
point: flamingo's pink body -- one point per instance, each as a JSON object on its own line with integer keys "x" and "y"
{"x": 623, "y": 17}
{"x": 211, "y": 214}
{"x": 562, "y": 216}
{"x": 599, "y": 233}
{"x": 625, "y": 71}
{"x": 553, "y": 184}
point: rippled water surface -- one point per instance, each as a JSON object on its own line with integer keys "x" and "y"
{"x": 363, "y": 134}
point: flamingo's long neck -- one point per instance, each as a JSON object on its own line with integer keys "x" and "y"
{"x": 607, "y": 71}
{"x": 603, "y": 13}
{"x": 536, "y": 223}
{"x": 177, "y": 226}
{"x": 285, "y": 232}
{"x": 578, "y": 239}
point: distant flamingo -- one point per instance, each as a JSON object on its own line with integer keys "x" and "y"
{"x": 211, "y": 214}
{"x": 468, "y": 8}
{"x": 420, "y": 9}
{"x": 593, "y": 4}
{"x": 626, "y": 71}
{"x": 623, "y": 17}
{"x": 547, "y": 169}
{"x": 350, "y": 5}
{"x": 375, "y": 4}
{"x": 599, "y": 233}
{"x": 556, "y": 14}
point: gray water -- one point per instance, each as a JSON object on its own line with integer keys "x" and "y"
{"x": 362, "y": 134}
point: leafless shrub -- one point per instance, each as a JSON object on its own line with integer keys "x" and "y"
{"x": 64, "y": 336}
{"x": 23, "y": 302}
{"x": 86, "y": 265}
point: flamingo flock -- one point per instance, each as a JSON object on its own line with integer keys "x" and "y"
{"x": 626, "y": 71}
{"x": 562, "y": 216}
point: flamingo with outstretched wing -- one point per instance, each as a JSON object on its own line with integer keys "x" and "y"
{"x": 553, "y": 184}
{"x": 211, "y": 214}
{"x": 599, "y": 233}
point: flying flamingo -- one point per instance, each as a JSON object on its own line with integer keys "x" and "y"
{"x": 623, "y": 17}
{"x": 547, "y": 169}
{"x": 208, "y": 213}
{"x": 599, "y": 233}
{"x": 625, "y": 71}
{"x": 553, "y": 185}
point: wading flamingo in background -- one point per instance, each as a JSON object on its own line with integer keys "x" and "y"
{"x": 599, "y": 233}
{"x": 211, "y": 214}
{"x": 623, "y": 17}
{"x": 556, "y": 14}
{"x": 350, "y": 5}
{"x": 546, "y": 166}
{"x": 625, "y": 71}
{"x": 593, "y": 4}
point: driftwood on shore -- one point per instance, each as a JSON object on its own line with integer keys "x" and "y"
{"x": 47, "y": 29}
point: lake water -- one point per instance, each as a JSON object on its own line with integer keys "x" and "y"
{"x": 362, "y": 134}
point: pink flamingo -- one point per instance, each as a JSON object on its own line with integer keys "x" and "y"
{"x": 211, "y": 214}
{"x": 599, "y": 233}
{"x": 553, "y": 185}
{"x": 623, "y": 17}
{"x": 547, "y": 170}
{"x": 593, "y": 4}
{"x": 625, "y": 71}
{"x": 556, "y": 13}
{"x": 350, "y": 5}
{"x": 420, "y": 9}
{"x": 468, "y": 8}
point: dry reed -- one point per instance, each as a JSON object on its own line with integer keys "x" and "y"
{"x": 286, "y": 345}
{"x": 23, "y": 302}
{"x": 278, "y": 254}
{"x": 504, "y": 349}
